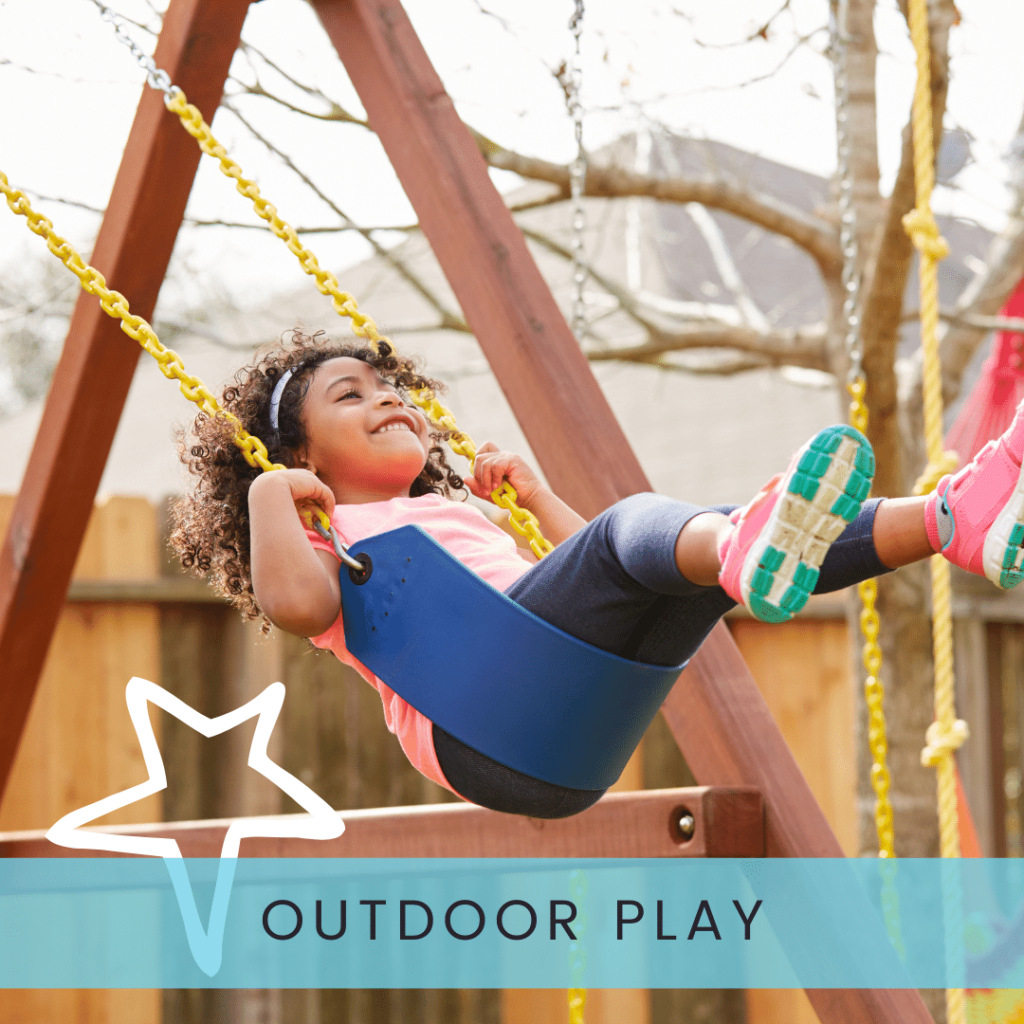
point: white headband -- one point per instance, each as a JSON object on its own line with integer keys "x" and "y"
{"x": 275, "y": 398}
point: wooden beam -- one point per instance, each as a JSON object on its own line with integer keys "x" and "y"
{"x": 92, "y": 379}
{"x": 566, "y": 418}
{"x": 728, "y": 822}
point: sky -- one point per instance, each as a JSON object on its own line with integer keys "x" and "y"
{"x": 70, "y": 90}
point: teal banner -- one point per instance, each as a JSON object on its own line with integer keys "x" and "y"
{"x": 472, "y": 923}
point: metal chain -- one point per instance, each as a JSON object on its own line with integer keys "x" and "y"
{"x": 874, "y": 692}
{"x": 577, "y": 997}
{"x": 156, "y": 77}
{"x": 344, "y": 304}
{"x": 857, "y": 386}
{"x": 577, "y": 178}
{"x": 847, "y": 213}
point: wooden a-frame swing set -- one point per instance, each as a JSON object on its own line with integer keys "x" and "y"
{"x": 756, "y": 801}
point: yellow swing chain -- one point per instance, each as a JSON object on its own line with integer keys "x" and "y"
{"x": 947, "y": 733}
{"x": 114, "y": 304}
{"x": 345, "y": 305}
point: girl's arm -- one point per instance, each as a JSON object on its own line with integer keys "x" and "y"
{"x": 557, "y": 520}
{"x": 296, "y": 588}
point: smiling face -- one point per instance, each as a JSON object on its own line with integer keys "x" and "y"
{"x": 364, "y": 442}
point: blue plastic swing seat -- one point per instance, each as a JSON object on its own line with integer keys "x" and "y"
{"x": 491, "y": 673}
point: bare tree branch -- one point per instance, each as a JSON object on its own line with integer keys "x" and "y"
{"x": 628, "y": 302}
{"x": 490, "y": 14}
{"x": 335, "y": 112}
{"x": 813, "y": 234}
{"x": 729, "y": 368}
{"x": 802, "y": 347}
{"x": 761, "y": 32}
{"x": 319, "y": 229}
{"x": 249, "y": 50}
{"x": 197, "y": 222}
{"x": 439, "y": 325}
{"x": 776, "y": 347}
{"x": 974, "y": 322}
{"x": 801, "y": 42}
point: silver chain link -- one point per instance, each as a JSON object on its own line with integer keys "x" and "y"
{"x": 577, "y": 179}
{"x": 847, "y": 211}
{"x": 156, "y": 77}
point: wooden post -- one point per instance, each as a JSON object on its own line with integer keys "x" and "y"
{"x": 92, "y": 379}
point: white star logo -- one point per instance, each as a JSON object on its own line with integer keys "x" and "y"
{"x": 323, "y": 823}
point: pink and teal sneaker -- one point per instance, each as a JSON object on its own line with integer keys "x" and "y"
{"x": 976, "y": 518}
{"x": 770, "y": 560}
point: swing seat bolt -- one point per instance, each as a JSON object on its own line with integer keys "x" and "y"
{"x": 365, "y": 571}
{"x": 685, "y": 825}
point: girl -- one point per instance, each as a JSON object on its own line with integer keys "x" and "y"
{"x": 647, "y": 579}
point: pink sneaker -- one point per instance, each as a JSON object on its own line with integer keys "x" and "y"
{"x": 976, "y": 518}
{"x": 770, "y": 560}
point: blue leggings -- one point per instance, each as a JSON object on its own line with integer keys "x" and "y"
{"x": 614, "y": 584}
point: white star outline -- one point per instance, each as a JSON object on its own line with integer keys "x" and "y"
{"x": 323, "y": 823}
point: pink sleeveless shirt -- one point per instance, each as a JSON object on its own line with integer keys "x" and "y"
{"x": 473, "y": 539}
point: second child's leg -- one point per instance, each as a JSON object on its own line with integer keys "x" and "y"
{"x": 900, "y": 534}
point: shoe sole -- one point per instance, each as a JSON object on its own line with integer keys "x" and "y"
{"x": 1003, "y": 552}
{"x": 822, "y": 495}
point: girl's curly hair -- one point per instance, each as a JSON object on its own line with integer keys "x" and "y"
{"x": 211, "y": 525}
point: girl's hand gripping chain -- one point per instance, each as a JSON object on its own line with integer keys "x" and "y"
{"x": 492, "y": 466}
{"x": 557, "y": 520}
{"x": 309, "y": 492}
